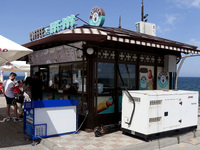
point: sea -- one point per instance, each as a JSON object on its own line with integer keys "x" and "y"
{"x": 184, "y": 83}
{"x": 18, "y": 78}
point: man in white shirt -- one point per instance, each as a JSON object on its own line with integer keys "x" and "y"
{"x": 8, "y": 91}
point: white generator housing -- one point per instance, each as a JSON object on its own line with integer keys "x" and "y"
{"x": 157, "y": 112}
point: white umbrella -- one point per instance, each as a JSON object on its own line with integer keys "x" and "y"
{"x": 15, "y": 66}
{"x": 10, "y": 51}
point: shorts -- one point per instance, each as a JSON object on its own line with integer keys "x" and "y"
{"x": 10, "y": 101}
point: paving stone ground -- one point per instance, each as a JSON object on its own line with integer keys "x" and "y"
{"x": 12, "y": 138}
{"x": 11, "y": 133}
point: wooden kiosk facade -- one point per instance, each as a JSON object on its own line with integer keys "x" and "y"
{"x": 94, "y": 64}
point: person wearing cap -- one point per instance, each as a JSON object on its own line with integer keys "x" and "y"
{"x": 8, "y": 91}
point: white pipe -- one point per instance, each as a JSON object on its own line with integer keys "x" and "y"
{"x": 179, "y": 68}
{"x": 1, "y": 78}
{"x": 25, "y": 75}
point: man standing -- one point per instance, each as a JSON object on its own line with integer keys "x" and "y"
{"x": 37, "y": 87}
{"x": 8, "y": 91}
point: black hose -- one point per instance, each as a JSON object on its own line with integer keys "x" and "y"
{"x": 127, "y": 93}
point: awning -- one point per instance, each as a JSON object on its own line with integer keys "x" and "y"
{"x": 103, "y": 34}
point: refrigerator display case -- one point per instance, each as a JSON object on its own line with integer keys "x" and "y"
{"x": 47, "y": 118}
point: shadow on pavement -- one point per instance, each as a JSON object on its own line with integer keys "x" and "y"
{"x": 11, "y": 133}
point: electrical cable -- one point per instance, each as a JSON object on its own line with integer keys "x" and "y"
{"x": 133, "y": 111}
{"x": 82, "y": 121}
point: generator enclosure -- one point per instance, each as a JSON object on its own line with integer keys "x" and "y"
{"x": 159, "y": 113}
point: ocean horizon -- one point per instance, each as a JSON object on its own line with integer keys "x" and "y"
{"x": 184, "y": 83}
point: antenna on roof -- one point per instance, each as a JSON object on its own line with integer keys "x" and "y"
{"x": 119, "y": 22}
{"x": 142, "y": 13}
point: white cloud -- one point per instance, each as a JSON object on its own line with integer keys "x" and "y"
{"x": 170, "y": 19}
{"x": 169, "y": 23}
{"x": 163, "y": 30}
{"x": 187, "y": 3}
{"x": 195, "y": 42}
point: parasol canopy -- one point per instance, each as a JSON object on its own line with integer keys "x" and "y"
{"x": 16, "y": 66}
{"x": 10, "y": 51}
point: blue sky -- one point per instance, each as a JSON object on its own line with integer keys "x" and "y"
{"x": 176, "y": 20}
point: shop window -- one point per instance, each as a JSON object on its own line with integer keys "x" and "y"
{"x": 54, "y": 76}
{"x": 34, "y": 69}
{"x": 127, "y": 79}
{"x": 73, "y": 77}
{"x": 65, "y": 76}
{"x": 105, "y": 75}
{"x": 79, "y": 76}
{"x": 44, "y": 74}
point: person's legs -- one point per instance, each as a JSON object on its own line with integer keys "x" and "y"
{"x": 15, "y": 119}
{"x": 8, "y": 101}
{"x": 8, "y": 110}
{"x": 20, "y": 110}
{"x": 15, "y": 110}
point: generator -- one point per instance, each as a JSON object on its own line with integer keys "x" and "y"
{"x": 153, "y": 114}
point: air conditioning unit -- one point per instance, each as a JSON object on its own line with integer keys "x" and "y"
{"x": 159, "y": 113}
{"x": 146, "y": 28}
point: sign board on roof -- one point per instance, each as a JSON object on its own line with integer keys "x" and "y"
{"x": 97, "y": 16}
{"x": 56, "y": 26}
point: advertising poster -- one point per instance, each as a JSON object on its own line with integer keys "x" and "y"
{"x": 52, "y": 56}
{"x": 162, "y": 79}
{"x": 146, "y": 81}
{"x": 29, "y": 121}
{"x": 57, "y": 54}
{"x": 34, "y": 58}
{"x": 61, "y": 54}
{"x": 69, "y": 52}
{"x": 105, "y": 105}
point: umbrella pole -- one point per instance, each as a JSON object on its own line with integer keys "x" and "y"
{"x": 1, "y": 76}
{"x": 26, "y": 74}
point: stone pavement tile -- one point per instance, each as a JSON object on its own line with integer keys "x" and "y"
{"x": 85, "y": 140}
{"x": 194, "y": 141}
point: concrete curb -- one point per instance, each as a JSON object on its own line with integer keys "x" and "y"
{"x": 152, "y": 145}
{"x": 161, "y": 143}
{"x": 50, "y": 145}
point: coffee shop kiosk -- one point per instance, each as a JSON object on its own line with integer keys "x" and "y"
{"x": 93, "y": 64}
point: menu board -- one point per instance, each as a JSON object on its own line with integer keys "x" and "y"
{"x": 59, "y": 54}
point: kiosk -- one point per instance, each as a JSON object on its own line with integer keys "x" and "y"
{"x": 94, "y": 64}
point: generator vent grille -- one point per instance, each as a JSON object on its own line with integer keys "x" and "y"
{"x": 155, "y": 102}
{"x": 156, "y": 119}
